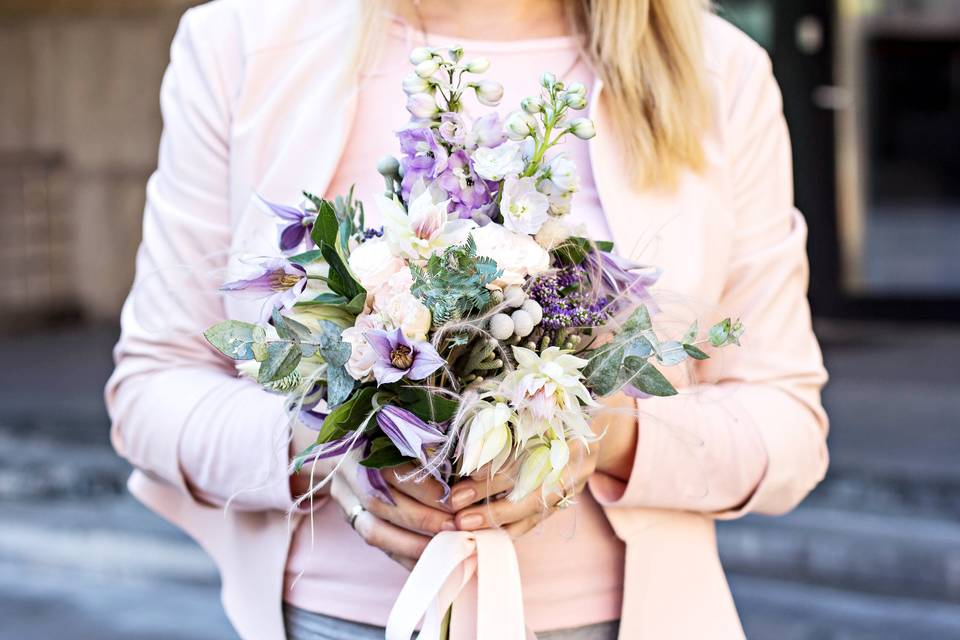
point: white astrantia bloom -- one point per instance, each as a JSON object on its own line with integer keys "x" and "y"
{"x": 488, "y": 439}
{"x": 498, "y": 162}
{"x": 549, "y": 386}
{"x": 425, "y": 228}
{"x": 524, "y": 208}
{"x": 542, "y": 467}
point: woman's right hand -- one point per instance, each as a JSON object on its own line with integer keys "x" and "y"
{"x": 401, "y": 531}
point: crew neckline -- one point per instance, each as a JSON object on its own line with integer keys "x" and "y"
{"x": 403, "y": 29}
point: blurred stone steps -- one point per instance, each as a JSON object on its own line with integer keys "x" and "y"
{"x": 898, "y": 555}
{"x": 785, "y": 610}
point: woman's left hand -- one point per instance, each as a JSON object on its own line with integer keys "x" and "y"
{"x": 617, "y": 422}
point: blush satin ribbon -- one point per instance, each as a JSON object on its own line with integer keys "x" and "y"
{"x": 474, "y": 571}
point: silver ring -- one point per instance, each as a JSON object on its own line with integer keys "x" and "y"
{"x": 353, "y": 514}
{"x": 565, "y": 501}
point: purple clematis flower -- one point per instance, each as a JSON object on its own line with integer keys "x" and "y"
{"x": 411, "y": 435}
{"x": 622, "y": 280}
{"x": 423, "y": 156}
{"x": 468, "y": 191}
{"x": 295, "y": 224}
{"x": 398, "y": 357}
{"x": 280, "y": 281}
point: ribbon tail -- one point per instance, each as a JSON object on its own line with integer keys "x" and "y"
{"x": 499, "y": 593}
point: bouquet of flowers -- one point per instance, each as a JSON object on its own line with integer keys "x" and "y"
{"x": 475, "y": 329}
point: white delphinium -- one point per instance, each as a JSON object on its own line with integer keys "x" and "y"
{"x": 489, "y": 93}
{"x": 498, "y": 162}
{"x": 425, "y": 228}
{"x": 559, "y": 180}
{"x": 488, "y": 439}
{"x": 524, "y": 208}
{"x": 520, "y": 124}
{"x": 422, "y": 106}
{"x": 583, "y": 128}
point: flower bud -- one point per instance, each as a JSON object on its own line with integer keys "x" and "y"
{"x": 489, "y": 93}
{"x": 420, "y": 54}
{"x": 427, "y": 68}
{"x": 519, "y": 125}
{"x": 532, "y": 104}
{"x": 456, "y": 52}
{"x": 547, "y": 80}
{"x": 583, "y": 128}
{"x": 575, "y": 101}
{"x": 577, "y": 88}
{"x": 478, "y": 65}
{"x": 415, "y": 84}
{"x": 388, "y": 166}
{"x": 422, "y": 105}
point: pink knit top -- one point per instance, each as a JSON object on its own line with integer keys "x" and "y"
{"x": 572, "y": 564}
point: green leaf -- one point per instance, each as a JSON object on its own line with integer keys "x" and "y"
{"x": 347, "y": 417}
{"x": 307, "y": 257}
{"x": 384, "y": 454}
{"x": 356, "y": 305}
{"x": 694, "y": 352}
{"x": 720, "y": 333}
{"x": 602, "y": 372}
{"x": 328, "y": 298}
{"x": 638, "y": 321}
{"x": 233, "y": 339}
{"x": 425, "y": 405}
{"x": 340, "y": 279}
{"x": 691, "y": 334}
{"x": 326, "y": 226}
{"x": 645, "y": 377}
{"x": 282, "y": 358}
{"x": 335, "y": 353}
{"x": 671, "y": 353}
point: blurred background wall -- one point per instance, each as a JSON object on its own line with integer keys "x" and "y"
{"x": 872, "y": 95}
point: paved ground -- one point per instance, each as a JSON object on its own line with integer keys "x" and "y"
{"x": 875, "y": 554}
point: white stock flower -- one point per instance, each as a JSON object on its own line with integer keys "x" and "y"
{"x": 524, "y": 208}
{"x": 498, "y": 162}
{"x": 563, "y": 172}
{"x": 425, "y": 228}
{"x": 400, "y": 308}
{"x": 488, "y": 438}
{"x": 517, "y": 255}
{"x": 373, "y": 262}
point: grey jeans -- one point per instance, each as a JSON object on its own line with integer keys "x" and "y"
{"x": 305, "y": 625}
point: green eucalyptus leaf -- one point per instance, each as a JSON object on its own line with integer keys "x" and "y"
{"x": 695, "y": 353}
{"x": 645, "y": 377}
{"x": 233, "y": 339}
{"x": 720, "y": 332}
{"x": 602, "y": 372}
{"x": 639, "y": 321}
{"x": 691, "y": 334}
{"x": 282, "y": 358}
{"x": 671, "y": 353}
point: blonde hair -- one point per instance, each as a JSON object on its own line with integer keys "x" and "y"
{"x": 649, "y": 55}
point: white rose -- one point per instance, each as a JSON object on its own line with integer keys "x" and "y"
{"x": 362, "y": 355}
{"x": 517, "y": 255}
{"x": 524, "y": 208}
{"x": 401, "y": 308}
{"x": 498, "y": 162}
{"x": 373, "y": 263}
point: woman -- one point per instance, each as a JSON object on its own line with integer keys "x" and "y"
{"x": 691, "y": 171}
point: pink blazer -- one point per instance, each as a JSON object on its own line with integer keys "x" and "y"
{"x": 257, "y": 99}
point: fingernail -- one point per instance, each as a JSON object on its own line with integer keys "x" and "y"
{"x": 448, "y": 525}
{"x": 472, "y": 521}
{"x": 463, "y": 497}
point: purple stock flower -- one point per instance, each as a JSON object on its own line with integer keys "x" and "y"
{"x": 398, "y": 357}
{"x": 423, "y": 156}
{"x": 624, "y": 281}
{"x": 411, "y": 435}
{"x": 280, "y": 281}
{"x": 295, "y": 224}
{"x": 466, "y": 189}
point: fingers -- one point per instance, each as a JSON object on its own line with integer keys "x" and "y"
{"x": 399, "y": 544}
{"x": 427, "y": 491}
{"x": 410, "y": 514}
{"x": 498, "y": 513}
{"x": 482, "y": 485}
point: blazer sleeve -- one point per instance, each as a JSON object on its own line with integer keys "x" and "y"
{"x": 751, "y": 435}
{"x": 179, "y": 413}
